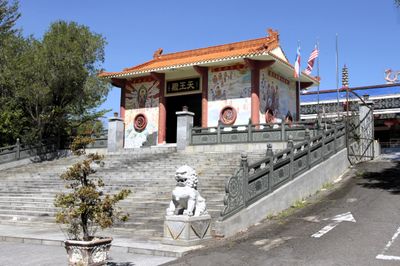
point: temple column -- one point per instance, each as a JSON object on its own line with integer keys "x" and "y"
{"x": 162, "y": 111}
{"x": 123, "y": 103}
{"x": 203, "y": 71}
{"x": 255, "y": 67}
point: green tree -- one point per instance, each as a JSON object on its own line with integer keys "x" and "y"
{"x": 50, "y": 86}
{"x": 12, "y": 45}
{"x": 61, "y": 88}
{"x": 8, "y": 16}
{"x": 397, "y": 3}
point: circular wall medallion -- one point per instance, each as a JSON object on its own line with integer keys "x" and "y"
{"x": 140, "y": 122}
{"x": 228, "y": 115}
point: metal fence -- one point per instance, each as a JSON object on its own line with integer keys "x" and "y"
{"x": 254, "y": 181}
{"x": 277, "y": 132}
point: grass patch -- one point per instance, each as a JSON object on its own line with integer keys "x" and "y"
{"x": 327, "y": 186}
{"x": 289, "y": 211}
{"x": 359, "y": 174}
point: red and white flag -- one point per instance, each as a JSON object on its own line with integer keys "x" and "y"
{"x": 310, "y": 63}
{"x": 297, "y": 64}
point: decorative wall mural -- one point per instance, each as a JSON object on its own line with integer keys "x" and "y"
{"x": 242, "y": 107}
{"x": 142, "y": 93}
{"x": 229, "y": 82}
{"x": 228, "y": 115}
{"x": 229, "y": 85}
{"x": 141, "y": 112}
{"x": 276, "y": 94}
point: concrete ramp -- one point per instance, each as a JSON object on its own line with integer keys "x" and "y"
{"x": 306, "y": 184}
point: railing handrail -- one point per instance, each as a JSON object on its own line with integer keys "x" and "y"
{"x": 261, "y": 132}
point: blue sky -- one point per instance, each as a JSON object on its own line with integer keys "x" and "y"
{"x": 368, "y": 31}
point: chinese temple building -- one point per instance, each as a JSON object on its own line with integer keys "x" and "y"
{"x": 231, "y": 84}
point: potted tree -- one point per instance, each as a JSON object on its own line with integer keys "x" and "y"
{"x": 85, "y": 208}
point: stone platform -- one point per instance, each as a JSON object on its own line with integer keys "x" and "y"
{"x": 53, "y": 236}
{"x": 182, "y": 230}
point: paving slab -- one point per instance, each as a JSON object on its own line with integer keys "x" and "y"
{"x": 124, "y": 247}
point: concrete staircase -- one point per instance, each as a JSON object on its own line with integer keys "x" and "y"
{"x": 27, "y": 192}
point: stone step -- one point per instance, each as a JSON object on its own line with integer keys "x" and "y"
{"x": 27, "y": 213}
{"x": 27, "y": 208}
{"x": 29, "y": 191}
{"x": 23, "y": 197}
{"x": 26, "y": 218}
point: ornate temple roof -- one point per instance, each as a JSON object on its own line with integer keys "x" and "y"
{"x": 263, "y": 48}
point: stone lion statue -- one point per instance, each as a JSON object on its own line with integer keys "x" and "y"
{"x": 186, "y": 200}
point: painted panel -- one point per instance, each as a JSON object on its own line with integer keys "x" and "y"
{"x": 142, "y": 93}
{"x": 229, "y": 85}
{"x": 277, "y": 94}
{"x": 242, "y": 107}
{"x": 142, "y": 97}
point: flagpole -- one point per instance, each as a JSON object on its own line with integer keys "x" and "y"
{"x": 337, "y": 74}
{"x": 298, "y": 86}
{"x": 319, "y": 79}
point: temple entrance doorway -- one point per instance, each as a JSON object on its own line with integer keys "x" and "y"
{"x": 175, "y": 104}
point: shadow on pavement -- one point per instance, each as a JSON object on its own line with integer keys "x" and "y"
{"x": 388, "y": 178}
{"x": 120, "y": 264}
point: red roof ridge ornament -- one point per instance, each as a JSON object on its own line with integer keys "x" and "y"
{"x": 157, "y": 54}
{"x": 272, "y": 34}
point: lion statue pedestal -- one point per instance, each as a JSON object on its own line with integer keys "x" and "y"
{"x": 183, "y": 230}
{"x": 187, "y": 221}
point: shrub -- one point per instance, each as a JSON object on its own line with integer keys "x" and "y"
{"x": 86, "y": 207}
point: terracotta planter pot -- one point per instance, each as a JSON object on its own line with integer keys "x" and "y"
{"x": 93, "y": 253}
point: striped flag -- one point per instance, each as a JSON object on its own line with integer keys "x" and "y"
{"x": 310, "y": 63}
{"x": 297, "y": 64}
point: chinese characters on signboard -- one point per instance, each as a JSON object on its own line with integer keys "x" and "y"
{"x": 183, "y": 86}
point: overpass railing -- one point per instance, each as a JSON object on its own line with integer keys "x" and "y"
{"x": 254, "y": 181}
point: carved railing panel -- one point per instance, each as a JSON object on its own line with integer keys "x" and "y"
{"x": 252, "y": 133}
{"x": 264, "y": 136}
{"x": 234, "y": 199}
{"x": 259, "y": 176}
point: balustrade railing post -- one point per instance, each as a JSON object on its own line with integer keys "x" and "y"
{"x": 18, "y": 151}
{"x": 249, "y": 132}
{"x": 270, "y": 154}
{"x": 283, "y": 137}
{"x": 308, "y": 139}
{"x": 323, "y": 145}
{"x": 245, "y": 165}
{"x": 290, "y": 145}
{"x": 334, "y": 125}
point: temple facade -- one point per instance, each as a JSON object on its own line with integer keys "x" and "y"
{"x": 232, "y": 84}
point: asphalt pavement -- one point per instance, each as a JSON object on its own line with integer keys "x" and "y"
{"x": 20, "y": 254}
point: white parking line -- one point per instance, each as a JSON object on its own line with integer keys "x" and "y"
{"x": 385, "y": 257}
{"x": 382, "y": 256}
{"x": 344, "y": 217}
